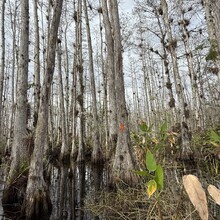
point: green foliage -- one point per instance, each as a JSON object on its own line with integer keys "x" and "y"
{"x": 163, "y": 128}
{"x": 154, "y": 144}
{"x": 159, "y": 176}
{"x": 213, "y": 53}
{"x": 144, "y": 128}
{"x": 150, "y": 162}
{"x": 214, "y": 139}
{"x": 154, "y": 172}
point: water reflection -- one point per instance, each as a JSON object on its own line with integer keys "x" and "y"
{"x": 69, "y": 187}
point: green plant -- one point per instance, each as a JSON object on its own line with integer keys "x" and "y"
{"x": 154, "y": 173}
{"x": 214, "y": 138}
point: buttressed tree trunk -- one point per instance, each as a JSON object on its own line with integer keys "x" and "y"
{"x": 124, "y": 163}
{"x": 37, "y": 202}
{"x": 19, "y": 154}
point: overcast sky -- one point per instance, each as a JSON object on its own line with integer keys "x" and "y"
{"x": 127, "y": 5}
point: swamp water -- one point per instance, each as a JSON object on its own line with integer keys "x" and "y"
{"x": 69, "y": 187}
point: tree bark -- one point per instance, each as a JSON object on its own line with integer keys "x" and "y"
{"x": 37, "y": 201}
{"x": 2, "y": 64}
{"x": 186, "y": 151}
{"x": 80, "y": 96}
{"x": 20, "y": 153}
{"x": 110, "y": 79}
{"x": 96, "y": 152}
{"x": 124, "y": 163}
{"x": 212, "y": 11}
{"x": 36, "y": 65}
{"x": 64, "y": 146}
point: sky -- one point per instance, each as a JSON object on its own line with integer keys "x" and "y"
{"x": 127, "y": 5}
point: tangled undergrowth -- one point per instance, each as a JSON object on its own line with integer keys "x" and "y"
{"x": 133, "y": 203}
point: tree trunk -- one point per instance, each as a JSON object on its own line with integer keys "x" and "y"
{"x": 37, "y": 201}
{"x": 196, "y": 121}
{"x": 184, "y": 113}
{"x": 2, "y": 65}
{"x": 212, "y": 10}
{"x": 96, "y": 153}
{"x": 64, "y": 146}
{"x": 124, "y": 163}
{"x": 73, "y": 105}
{"x": 110, "y": 79}
{"x": 105, "y": 99}
{"x": 80, "y": 96}
{"x": 36, "y": 65}
{"x": 20, "y": 152}
{"x": 14, "y": 30}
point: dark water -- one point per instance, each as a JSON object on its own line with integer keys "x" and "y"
{"x": 69, "y": 186}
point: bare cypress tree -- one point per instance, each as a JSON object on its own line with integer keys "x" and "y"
{"x": 36, "y": 64}
{"x": 73, "y": 97}
{"x": 124, "y": 162}
{"x": 79, "y": 83}
{"x": 96, "y": 153}
{"x": 110, "y": 78}
{"x": 37, "y": 201}
{"x": 104, "y": 75}
{"x": 212, "y": 10}
{"x": 64, "y": 147}
{"x": 2, "y": 64}
{"x": 184, "y": 112}
{"x": 14, "y": 31}
{"x": 19, "y": 153}
{"x": 195, "y": 103}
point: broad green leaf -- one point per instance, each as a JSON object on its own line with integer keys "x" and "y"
{"x": 159, "y": 176}
{"x": 143, "y": 127}
{"x": 150, "y": 161}
{"x": 163, "y": 127}
{"x": 151, "y": 187}
{"x": 141, "y": 173}
{"x": 214, "y": 136}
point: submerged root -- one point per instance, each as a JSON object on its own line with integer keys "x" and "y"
{"x": 37, "y": 205}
